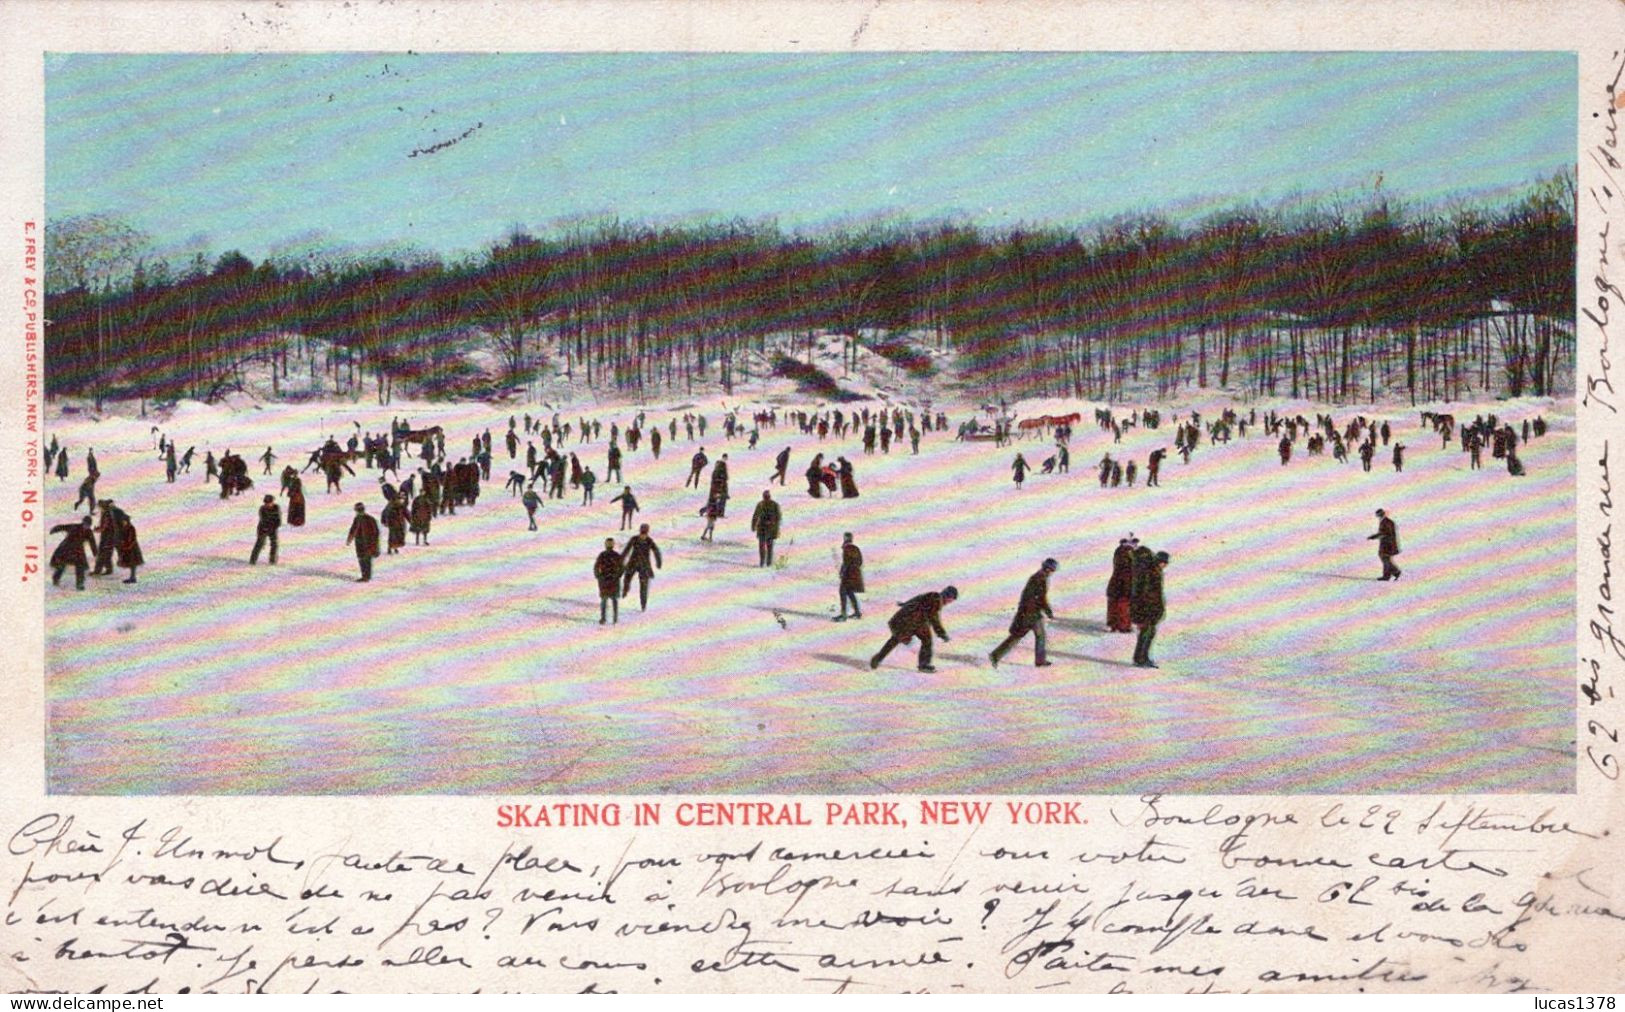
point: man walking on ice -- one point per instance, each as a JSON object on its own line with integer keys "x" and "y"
{"x": 1030, "y": 614}
{"x": 1387, "y": 539}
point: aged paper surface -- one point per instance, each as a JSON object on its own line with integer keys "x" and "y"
{"x": 977, "y": 891}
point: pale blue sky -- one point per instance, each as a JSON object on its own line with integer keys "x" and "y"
{"x": 266, "y": 152}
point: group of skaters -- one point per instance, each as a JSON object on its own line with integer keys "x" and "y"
{"x": 110, "y": 540}
{"x": 1134, "y": 597}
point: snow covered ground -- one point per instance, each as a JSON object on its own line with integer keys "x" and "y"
{"x": 477, "y": 664}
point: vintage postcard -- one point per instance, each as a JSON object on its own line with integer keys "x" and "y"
{"x": 785, "y": 497}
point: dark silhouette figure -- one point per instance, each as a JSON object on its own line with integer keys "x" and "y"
{"x": 765, "y": 522}
{"x": 71, "y": 551}
{"x": 266, "y": 533}
{"x": 851, "y": 577}
{"x": 1031, "y": 611}
{"x": 639, "y": 550}
{"x": 918, "y": 617}
{"x": 1148, "y": 607}
{"x": 1387, "y": 539}
{"x": 607, "y": 570}
{"x": 364, "y": 536}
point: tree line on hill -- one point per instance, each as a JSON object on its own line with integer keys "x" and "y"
{"x": 1336, "y": 301}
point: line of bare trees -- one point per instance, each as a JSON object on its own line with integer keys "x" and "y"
{"x": 1335, "y": 301}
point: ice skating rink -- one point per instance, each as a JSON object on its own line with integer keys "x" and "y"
{"x": 477, "y": 665}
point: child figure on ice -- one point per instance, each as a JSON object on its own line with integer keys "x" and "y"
{"x": 629, "y": 506}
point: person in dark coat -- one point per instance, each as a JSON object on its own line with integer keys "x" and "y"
{"x": 815, "y": 477}
{"x": 640, "y": 548}
{"x": 296, "y": 502}
{"x": 71, "y": 551}
{"x": 107, "y": 537}
{"x": 851, "y": 577}
{"x": 719, "y": 485}
{"x": 394, "y": 520}
{"x": 765, "y": 522}
{"x": 129, "y": 547}
{"x": 62, "y": 464}
{"x": 266, "y": 533}
{"x": 1031, "y": 611}
{"x": 422, "y": 517}
{"x": 629, "y": 506}
{"x": 849, "y": 484}
{"x": 696, "y": 468}
{"x": 607, "y": 570}
{"x": 781, "y": 465}
{"x": 1387, "y": 539}
{"x": 1120, "y": 588}
{"x": 87, "y": 492}
{"x": 364, "y": 536}
{"x": 1148, "y": 607}
{"x": 918, "y": 617}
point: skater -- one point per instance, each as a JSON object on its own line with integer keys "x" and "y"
{"x": 588, "y": 482}
{"x": 1387, "y": 539}
{"x": 266, "y": 458}
{"x": 1148, "y": 607}
{"x": 765, "y": 522}
{"x": 71, "y": 551}
{"x": 1020, "y": 467}
{"x": 710, "y": 512}
{"x": 781, "y": 465}
{"x": 849, "y": 483}
{"x": 815, "y": 477}
{"x": 515, "y": 483}
{"x": 1120, "y": 588}
{"x": 171, "y": 465}
{"x": 129, "y": 548}
{"x": 1031, "y": 611}
{"x": 107, "y": 533}
{"x": 719, "y": 485}
{"x": 629, "y": 506}
{"x": 607, "y": 571}
{"x": 394, "y": 520}
{"x": 851, "y": 577}
{"x": 296, "y": 501}
{"x": 87, "y": 492}
{"x": 613, "y": 471}
{"x": 636, "y": 556}
{"x": 918, "y": 617}
{"x": 696, "y": 467}
{"x": 266, "y": 532}
{"x": 422, "y": 517}
{"x": 1153, "y": 467}
{"x": 364, "y": 536}
{"x": 532, "y": 503}
{"x": 1399, "y": 457}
